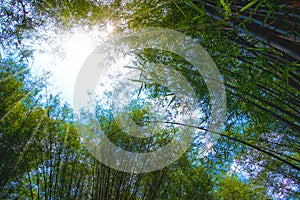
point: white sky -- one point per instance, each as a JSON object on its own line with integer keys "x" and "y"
{"x": 63, "y": 55}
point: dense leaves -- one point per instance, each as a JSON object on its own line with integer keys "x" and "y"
{"x": 255, "y": 45}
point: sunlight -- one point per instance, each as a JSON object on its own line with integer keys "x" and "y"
{"x": 109, "y": 26}
{"x": 63, "y": 55}
{"x": 78, "y": 46}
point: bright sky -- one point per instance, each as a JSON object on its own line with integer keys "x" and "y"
{"x": 63, "y": 55}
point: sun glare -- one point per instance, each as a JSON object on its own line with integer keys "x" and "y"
{"x": 63, "y": 53}
{"x": 109, "y": 26}
{"x": 78, "y": 47}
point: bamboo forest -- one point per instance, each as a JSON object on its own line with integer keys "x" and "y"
{"x": 150, "y": 99}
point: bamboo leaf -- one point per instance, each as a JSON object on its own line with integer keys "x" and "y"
{"x": 196, "y": 8}
{"x": 249, "y": 5}
{"x": 173, "y": 98}
{"x": 179, "y": 8}
{"x": 135, "y": 80}
{"x": 140, "y": 90}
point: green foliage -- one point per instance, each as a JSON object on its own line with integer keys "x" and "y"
{"x": 254, "y": 44}
{"x": 232, "y": 188}
{"x": 17, "y": 119}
